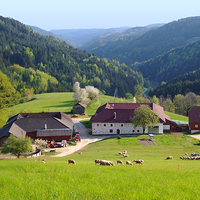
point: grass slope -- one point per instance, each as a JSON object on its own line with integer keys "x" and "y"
{"x": 64, "y": 102}
{"x": 157, "y": 178}
{"x": 54, "y": 102}
{"x": 177, "y": 117}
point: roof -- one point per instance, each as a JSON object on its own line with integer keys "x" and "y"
{"x": 122, "y": 112}
{"x": 194, "y": 114}
{"x": 31, "y": 122}
{"x": 81, "y": 104}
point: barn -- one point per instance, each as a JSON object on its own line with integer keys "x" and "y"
{"x": 79, "y": 108}
{"x": 194, "y": 118}
{"x": 46, "y": 125}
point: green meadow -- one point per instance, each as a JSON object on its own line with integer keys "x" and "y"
{"x": 54, "y": 102}
{"x": 177, "y": 117}
{"x": 157, "y": 178}
{"x": 64, "y": 102}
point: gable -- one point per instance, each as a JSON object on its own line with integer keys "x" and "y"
{"x": 194, "y": 114}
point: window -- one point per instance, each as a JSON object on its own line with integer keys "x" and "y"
{"x": 104, "y": 124}
{"x": 133, "y": 131}
{"x": 122, "y": 125}
{"x": 138, "y": 131}
{"x": 196, "y": 126}
{"x": 111, "y": 125}
{"x": 111, "y": 130}
{"x": 97, "y": 124}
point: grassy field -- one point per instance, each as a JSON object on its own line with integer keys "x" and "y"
{"x": 177, "y": 117}
{"x": 157, "y": 178}
{"x": 54, "y": 102}
{"x": 63, "y": 102}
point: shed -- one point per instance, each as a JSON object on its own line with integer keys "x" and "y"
{"x": 79, "y": 108}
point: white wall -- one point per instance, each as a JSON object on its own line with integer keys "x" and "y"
{"x": 127, "y": 128}
{"x": 104, "y": 128}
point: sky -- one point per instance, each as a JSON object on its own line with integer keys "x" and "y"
{"x": 75, "y": 14}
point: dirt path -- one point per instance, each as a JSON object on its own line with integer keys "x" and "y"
{"x": 196, "y": 136}
{"x": 85, "y": 139}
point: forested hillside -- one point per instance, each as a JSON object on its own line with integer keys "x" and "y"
{"x": 104, "y": 39}
{"x": 171, "y": 64}
{"x": 82, "y": 36}
{"x": 189, "y": 82}
{"x": 43, "y": 54}
{"x": 153, "y": 43}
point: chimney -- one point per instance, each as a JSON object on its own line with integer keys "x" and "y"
{"x": 115, "y": 115}
{"x": 45, "y": 126}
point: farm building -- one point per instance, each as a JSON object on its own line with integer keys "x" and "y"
{"x": 46, "y": 125}
{"x": 114, "y": 118}
{"x": 194, "y": 118}
{"x": 79, "y": 108}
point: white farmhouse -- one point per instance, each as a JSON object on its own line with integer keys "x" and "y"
{"x": 114, "y": 119}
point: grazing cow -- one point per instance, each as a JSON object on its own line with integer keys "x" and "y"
{"x": 105, "y": 162}
{"x": 139, "y": 161}
{"x": 169, "y": 157}
{"x": 194, "y": 154}
{"x": 71, "y": 161}
{"x": 97, "y": 161}
{"x": 120, "y": 162}
{"x": 128, "y": 162}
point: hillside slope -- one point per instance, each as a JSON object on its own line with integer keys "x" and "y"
{"x": 25, "y": 47}
{"x": 48, "y": 33}
{"x": 104, "y": 39}
{"x": 153, "y": 43}
{"x": 189, "y": 82}
{"x": 169, "y": 65}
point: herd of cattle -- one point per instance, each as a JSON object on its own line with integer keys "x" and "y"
{"x": 111, "y": 163}
{"x": 194, "y": 156}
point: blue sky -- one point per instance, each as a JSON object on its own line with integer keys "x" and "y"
{"x": 67, "y": 14}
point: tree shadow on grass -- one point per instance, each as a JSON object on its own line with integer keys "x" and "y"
{"x": 63, "y": 104}
{"x": 197, "y": 144}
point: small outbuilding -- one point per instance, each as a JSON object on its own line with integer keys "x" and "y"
{"x": 79, "y": 108}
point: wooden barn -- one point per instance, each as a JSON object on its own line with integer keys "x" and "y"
{"x": 46, "y": 125}
{"x": 79, "y": 108}
{"x": 194, "y": 118}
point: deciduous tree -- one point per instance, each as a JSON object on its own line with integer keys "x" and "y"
{"x": 17, "y": 145}
{"x": 143, "y": 117}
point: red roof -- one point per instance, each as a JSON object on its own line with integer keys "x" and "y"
{"x": 194, "y": 114}
{"x": 122, "y": 112}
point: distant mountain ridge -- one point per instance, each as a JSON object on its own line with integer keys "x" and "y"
{"x": 155, "y": 42}
{"x": 48, "y": 33}
{"x": 82, "y": 36}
